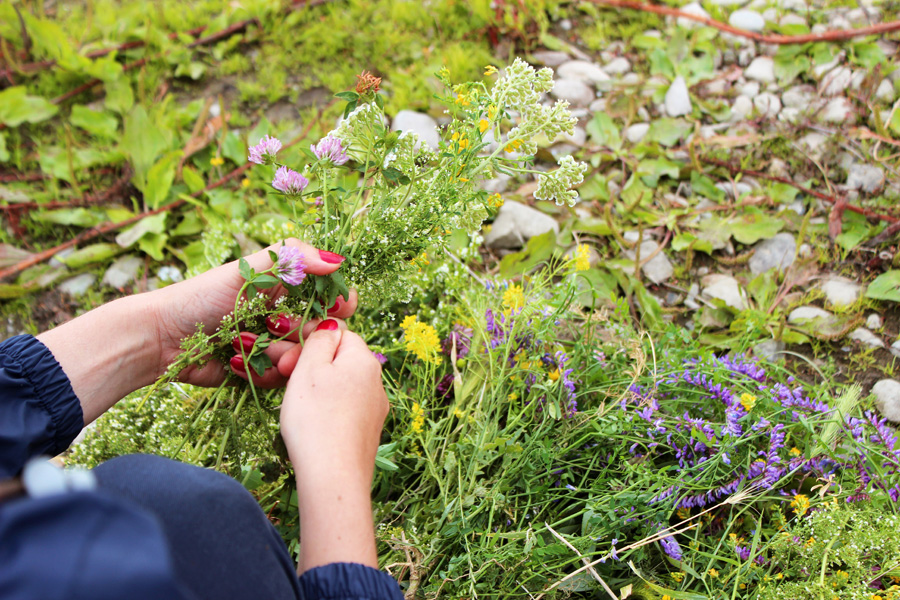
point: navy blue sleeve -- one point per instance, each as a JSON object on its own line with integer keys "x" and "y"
{"x": 39, "y": 412}
{"x": 348, "y": 581}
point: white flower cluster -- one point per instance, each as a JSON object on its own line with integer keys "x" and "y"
{"x": 549, "y": 120}
{"x": 356, "y": 130}
{"x": 555, "y": 185}
{"x": 521, "y": 87}
{"x": 409, "y": 150}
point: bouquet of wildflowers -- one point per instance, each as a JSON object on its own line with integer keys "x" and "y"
{"x": 408, "y": 200}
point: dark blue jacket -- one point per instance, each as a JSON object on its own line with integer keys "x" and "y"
{"x": 89, "y": 545}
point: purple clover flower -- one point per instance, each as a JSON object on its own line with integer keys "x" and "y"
{"x": 330, "y": 148}
{"x": 290, "y": 266}
{"x": 289, "y": 181}
{"x": 264, "y": 152}
{"x": 463, "y": 336}
{"x": 381, "y": 358}
{"x": 670, "y": 546}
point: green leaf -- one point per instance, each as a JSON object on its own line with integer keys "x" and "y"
{"x": 854, "y": 229}
{"x": 683, "y": 241}
{"x": 754, "y": 225}
{"x": 651, "y": 169}
{"x": 348, "y": 96}
{"x": 143, "y": 141}
{"x": 154, "y": 244}
{"x": 783, "y": 193}
{"x": 159, "y": 179}
{"x": 81, "y": 217}
{"x": 667, "y": 131}
{"x": 99, "y": 123}
{"x": 91, "y": 254}
{"x": 538, "y": 249}
{"x": 703, "y": 186}
{"x": 604, "y": 132}
{"x": 867, "y": 54}
{"x": 119, "y": 97}
{"x": 192, "y": 179}
{"x": 789, "y": 62}
{"x": 245, "y": 270}
{"x": 885, "y": 287}
{"x": 234, "y": 148}
{"x": 193, "y": 70}
{"x": 155, "y": 224}
{"x": 4, "y": 153}
{"x": 259, "y": 362}
{"x": 16, "y": 107}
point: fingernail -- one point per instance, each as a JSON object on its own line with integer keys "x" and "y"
{"x": 237, "y": 365}
{"x": 331, "y": 257}
{"x": 327, "y": 325}
{"x": 245, "y": 340}
{"x": 336, "y": 307}
{"x": 280, "y": 325}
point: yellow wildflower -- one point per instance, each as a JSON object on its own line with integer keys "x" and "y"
{"x": 513, "y": 298}
{"x": 713, "y": 573}
{"x": 666, "y": 597}
{"x": 683, "y": 513}
{"x": 582, "y": 262}
{"x": 800, "y": 504}
{"x": 217, "y": 161}
{"x": 418, "y": 418}
{"x": 553, "y": 375}
{"x": 492, "y": 112}
{"x": 461, "y": 141}
{"x": 290, "y": 226}
{"x": 678, "y": 576}
{"x": 245, "y": 182}
{"x": 444, "y": 73}
{"x": 495, "y": 200}
{"x": 513, "y": 396}
{"x": 490, "y": 70}
{"x": 458, "y": 413}
{"x": 513, "y": 146}
{"x": 795, "y": 451}
{"x": 748, "y": 401}
{"x": 483, "y": 125}
{"x": 421, "y": 339}
{"x": 462, "y": 100}
{"x": 809, "y": 542}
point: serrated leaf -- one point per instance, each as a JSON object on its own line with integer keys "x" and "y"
{"x": 885, "y": 287}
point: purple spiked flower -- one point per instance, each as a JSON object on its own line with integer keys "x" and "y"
{"x": 289, "y": 181}
{"x": 381, "y": 358}
{"x": 670, "y": 546}
{"x": 331, "y": 148}
{"x": 290, "y": 266}
{"x": 264, "y": 152}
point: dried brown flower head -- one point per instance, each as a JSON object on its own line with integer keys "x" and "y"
{"x": 367, "y": 84}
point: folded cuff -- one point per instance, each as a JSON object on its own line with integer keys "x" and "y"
{"x": 348, "y": 581}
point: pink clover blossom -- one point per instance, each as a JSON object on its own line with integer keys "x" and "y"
{"x": 331, "y": 148}
{"x": 289, "y": 181}
{"x": 290, "y": 266}
{"x": 264, "y": 152}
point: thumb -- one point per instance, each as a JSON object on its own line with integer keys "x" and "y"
{"x": 321, "y": 345}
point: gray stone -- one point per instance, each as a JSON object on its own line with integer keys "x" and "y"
{"x": 741, "y": 108}
{"x": 659, "y": 268}
{"x": 762, "y": 68}
{"x": 885, "y": 91}
{"x": 497, "y": 185}
{"x": 836, "y": 81}
{"x": 874, "y": 321}
{"x": 420, "y": 124}
{"x": 790, "y": 115}
{"x": 767, "y": 104}
{"x": 78, "y": 285}
{"x": 840, "y": 291}
{"x": 868, "y": 178}
{"x": 775, "y": 253}
{"x": 815, "y": 143}
{"x": 749, "y": 89}
{"x": 768, "y": 350}
{"x": 549, "y": 58}
{"x": 636, "y": 132}
{"x": 798, "y": 96}
{"x": 724, "y": 288}
{"x": 747, "y": 19}
{"x": 678, "y": 100}
{"x": 516, "y": 223}
{"x": 864, "y": 336}
{"x": 887, "y": 398}
{"x": 618, "y": 66}
{"x": 694, "y": 8}
{"x": 792, "y": 19}
{"x": 837, "y": 110}
{"x": 583, "y": 71}
{"x": 59, "y": 257}
{"x": 574, "y": 90}
{"x": 895, "y": 348}
{"x": 803, "y": 314}
{"x": 122, "y": 271}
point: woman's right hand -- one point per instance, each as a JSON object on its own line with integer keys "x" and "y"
{"x": 331, "y": 421}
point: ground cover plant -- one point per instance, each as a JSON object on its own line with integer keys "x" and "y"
{"x": 660, "y": 387}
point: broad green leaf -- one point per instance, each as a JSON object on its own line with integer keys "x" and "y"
{"x": 651, "y": 169}
{"x": 192, "y": 179}
{"x": 667, "y": 131}
{"x": 154, "y": 244}
{"x": 595, "y": 188}
{"x": 593, "y": 226}
{"x": 635, "y": 192}
{"x": 234, "y": 148}
{"x": 714, "y": 230}
{"x": 885, "y": 287}
{"x": 705, "y": 187}
{"x": 790, "y": 62}
{"x": 604, "y": 132}
{"x": 159, "y": 179}
{"x": 155, "y": 224}
{"x": 4, "y": 153}
{"x": 854, "y": 230}
{"x": 193, "y": 70}
{"x": 143, "y": 141}
{"x": 683, "y": 241}
{"x": 754, "y": 225}
{"x": 119, "y": 97}
{"x": 81, "y": 217}
{"x": 538, "y": 249}
{"x": 782, "y": 192}
{"x": 91, "y": 254}
{"x": 16, "y": 107}
{"x": 96, "y": 122}
{"x": 867, "y": 54}
{"x": 105, "y": 68}
{"x": 661, "y": 64}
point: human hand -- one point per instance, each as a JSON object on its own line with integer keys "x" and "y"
{"x": 331, "y": 420}
{"x": 207, "y": 298}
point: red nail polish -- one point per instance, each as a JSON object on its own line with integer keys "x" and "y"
{"x": 331, "y": 257}
{"x": 245, "y": 340}
{"x": 237, "y": 365}
{"x": 327, "y": 325}
{"x": 280, "y": 325}
{"x": 336, "y": 307}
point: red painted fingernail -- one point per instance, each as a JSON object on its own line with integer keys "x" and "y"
{"x": 237, "y": 365}
{"x": 331, "y": 257}
{"x": 336, "y": 307}
{"x": 327, "y": 325}
{"x": 245, "y": 340}
{"x": 280, "y": 325}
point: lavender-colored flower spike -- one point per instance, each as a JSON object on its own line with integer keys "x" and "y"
{"x": 264, "y": 152}
{"x": 331, "y": 148}
{"x": 290, "y": 266}
{"x": 289, "y": 181}
{"x": 670, "y": 546}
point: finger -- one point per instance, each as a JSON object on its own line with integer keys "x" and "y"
{"x": 270, "y": 378}
{"x": 321, "y": 345}
{"x": 285, "y": 326}
{"x": 353, "y": 347}
{"x": 344, "y": 308}
{"x": 318, "y": 262}
{"x": 288, "y": 361}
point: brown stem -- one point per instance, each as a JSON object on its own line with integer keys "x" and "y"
{"x": 88, "y": 200}
{"x": 825, "y": 36}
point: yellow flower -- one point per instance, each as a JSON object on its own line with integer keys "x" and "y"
{"x": 795, "y": 451}
{"x": 809, "y": 542}
{"x": 492, "y": 112}
{"x": 582, "y": 262}
{"x": 513, "y": 146}
{"x": 462, "y": 141}
{"x": 483, "y": 125}
{"x": 495, "y": 200}
{"x": 748, "y": 401}
{"x": 713, "y": 573}
{"x": 553, "y": 375}
{"x": 458, "y": 413}
{"x": 245, "y": 182}
{"x": 513, "y": 298}
{"x": 418, "y": 418}
{"x": 444, "y": 73}
{"x": 513, "y": 396}
{"x": 490, "y": 70}
{"x": 290, "y": 226}
{"x": 800, "y": 504}
{"x": 218, "y": 161}
{"x": 421, "y": 339}
{"x": 678, "y": 576}
{"x": 683, "y": 513}
{"x": 666, "y": 597}
{"x": 462, "y": 100}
